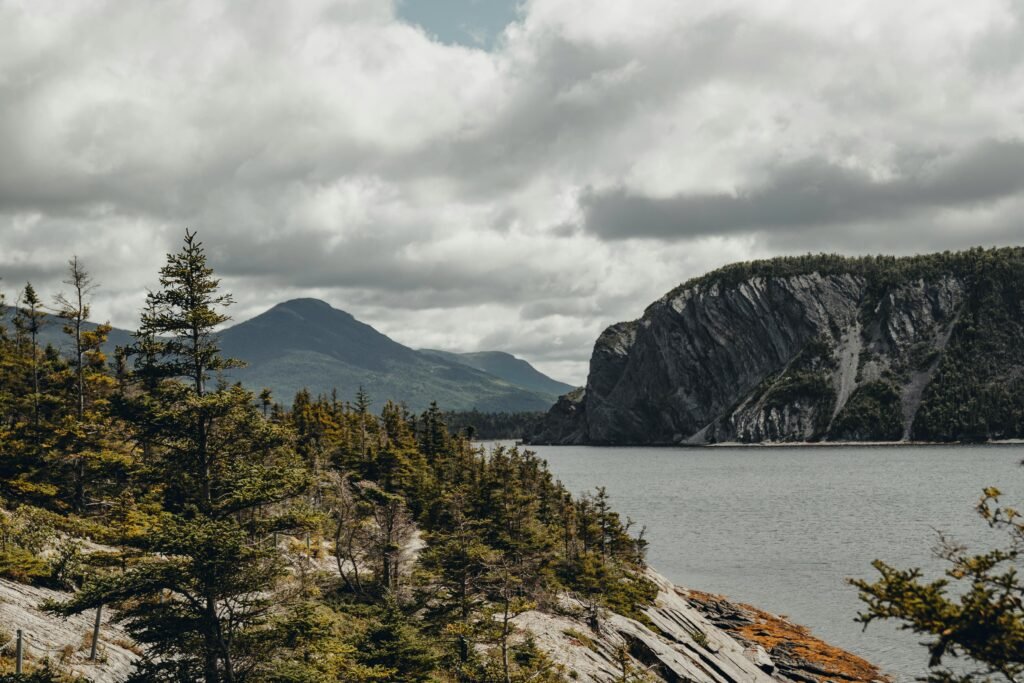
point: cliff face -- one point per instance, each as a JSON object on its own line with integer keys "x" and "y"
{"x": 814, "y": 348}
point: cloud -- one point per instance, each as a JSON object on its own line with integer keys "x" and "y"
{"x": 813, "y": 194}
{"x": 519, "y": 197}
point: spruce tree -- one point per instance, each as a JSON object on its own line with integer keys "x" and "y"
{"x": 27, "y": 372}
{"x": 29, "y": 320}
{"x": 227, "y": 477}
{"x": 83, "y": 437}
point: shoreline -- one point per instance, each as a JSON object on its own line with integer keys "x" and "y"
{"x": 780, "y": 444}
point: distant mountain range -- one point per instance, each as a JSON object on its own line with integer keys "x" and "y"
{"x": 51, "y": 333}
{"x": 305, "y": 343}
{"x": 509, "y": 368}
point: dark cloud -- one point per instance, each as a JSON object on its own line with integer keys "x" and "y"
{"x": 812, "y": 194}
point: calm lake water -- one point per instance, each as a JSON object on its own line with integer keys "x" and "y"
{"x": 782, "y": 528}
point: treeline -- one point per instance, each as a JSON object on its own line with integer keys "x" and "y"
{"x": 476, "y": 425}
{"x": 881, "y": 271}
{"x": 242, "y": 541}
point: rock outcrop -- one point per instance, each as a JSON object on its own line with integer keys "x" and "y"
{"x": 813, "y": 349}
{"x": 679, "y": 640}
{"x": 793, "y": 651}
{"x": 684, "y": 636}
{"x": 65, "y": 643}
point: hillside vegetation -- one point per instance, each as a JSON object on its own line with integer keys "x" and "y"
{"x": 305, "y": 343}
{"x": 239, "y": 540}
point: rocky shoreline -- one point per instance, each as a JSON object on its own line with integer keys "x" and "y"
{"x": 685, "y": 635}
{"x": 795, "y": 652}
{"x": 692, "y": 636}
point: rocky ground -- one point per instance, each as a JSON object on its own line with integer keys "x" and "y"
{"x": 66, "y": 643}
{"x": 684, "y": 636}
{"x": 689, "y": 636}
{"x": 796, "y": 654}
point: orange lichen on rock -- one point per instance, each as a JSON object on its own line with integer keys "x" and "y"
{"x": 796, "y": 653}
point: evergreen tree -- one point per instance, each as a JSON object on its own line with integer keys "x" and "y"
{"x": 28, "y": 374}
{"x": 29, "y": 320}
{"x": 84, "y": 438}
{"x": 980, "y": 620}
{"x": 227, "y": 476}
{"x": 394, "y": 643}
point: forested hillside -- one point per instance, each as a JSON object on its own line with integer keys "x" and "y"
{"x": 238, "y": 540}
{"x": 306, "y": 343}
{"x": 515, "y": 371}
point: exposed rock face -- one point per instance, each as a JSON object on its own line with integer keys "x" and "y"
{"x": 682, "y": 642}
{"x": 565, "y": 422}
{"x": 828, "y": 354}
{"x": 794, "y": 653}
{"x": 65, "y": 642}
{"x": 688, "y": 636}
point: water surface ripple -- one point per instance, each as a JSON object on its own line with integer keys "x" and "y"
{"x": 782, "y": 528}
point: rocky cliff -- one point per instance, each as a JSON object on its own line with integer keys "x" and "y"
{"x": 814, "y": 348}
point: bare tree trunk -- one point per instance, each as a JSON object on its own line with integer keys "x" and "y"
{"x": 340, "y": 558}
{"x": 504, "y": 641}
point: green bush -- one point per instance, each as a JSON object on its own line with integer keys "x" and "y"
{"x": 18, "y": 564}
{"x": 873, "y": 413}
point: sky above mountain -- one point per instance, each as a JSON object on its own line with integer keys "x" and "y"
{"x": 474, "y": 23}
{"x": 473, "y": 175}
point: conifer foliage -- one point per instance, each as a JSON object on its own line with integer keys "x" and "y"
{"x": 225, "y": 476}
{"x": 248, "y": 542}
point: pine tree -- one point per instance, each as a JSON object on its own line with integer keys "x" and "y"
{"x": 974, "y": 615}
{"x": 394, "y": 643}
{"x": 227, "y": 476}
{"x": 29, "y": 320}
{"x": 266, "y": 400}
{"x": 84, "y": 436}
{"x": 26, "y": 372}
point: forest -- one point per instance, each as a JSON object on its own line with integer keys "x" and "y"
{"x": 480, "y": 425}
{"x": 237, "y": 540}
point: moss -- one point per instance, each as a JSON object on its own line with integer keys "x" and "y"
{"x": 756, "y": 626}
{"x": 581, "y": 638}
{"x": 20, "y": 565}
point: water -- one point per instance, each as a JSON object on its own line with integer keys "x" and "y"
{"x": 782, "y": 528}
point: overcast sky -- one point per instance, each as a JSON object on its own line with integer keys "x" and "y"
{"x": 486, "y": 174}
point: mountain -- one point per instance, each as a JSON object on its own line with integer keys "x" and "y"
{"x": 307, "y": 343}
{"x": 52, "y": 333}
{"x": 505, "y": 366}
{"x": 813, "y": 348}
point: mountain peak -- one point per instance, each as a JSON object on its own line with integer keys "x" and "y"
{"x": 315, "y": 326}
{"x": 308, "y": 306}
{"x": 308, "y": 343}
